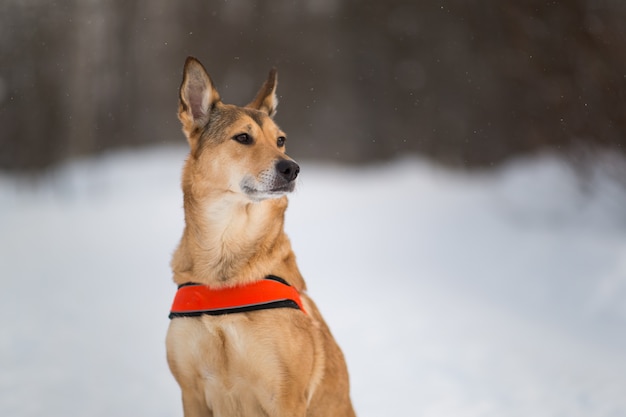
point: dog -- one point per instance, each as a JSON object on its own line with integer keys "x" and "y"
{"x": 273, "y": 357}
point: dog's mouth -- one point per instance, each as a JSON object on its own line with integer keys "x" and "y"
{"x": 260, "y": 194}
{"x": 258, "y": 191}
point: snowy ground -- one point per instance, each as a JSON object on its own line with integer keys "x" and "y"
{"x": 487, "y": 294}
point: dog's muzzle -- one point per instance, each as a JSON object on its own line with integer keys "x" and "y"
{"x": 272, "y": 183}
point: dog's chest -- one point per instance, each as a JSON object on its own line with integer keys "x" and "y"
{"x": 236, "y": 350}
{"x": 236, "y": 376}
{"x": 237, "y": 363}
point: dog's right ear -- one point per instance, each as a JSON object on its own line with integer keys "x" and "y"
{"x": 197, "y": 96}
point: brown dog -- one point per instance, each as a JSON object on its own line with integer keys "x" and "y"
{"x": 276, "y": 361}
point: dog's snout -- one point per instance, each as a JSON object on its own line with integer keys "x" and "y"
{"x": 287, "y": 169}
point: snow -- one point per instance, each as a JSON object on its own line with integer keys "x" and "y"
{"x": 495, "y": 293}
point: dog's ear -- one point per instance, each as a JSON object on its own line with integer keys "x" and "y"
{"x": 197, "y": 96}
{"x": 266, "y": 99}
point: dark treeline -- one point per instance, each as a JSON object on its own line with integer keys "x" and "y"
{"x": 466, "y": 83}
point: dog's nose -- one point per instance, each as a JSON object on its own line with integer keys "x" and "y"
{"x": 288, "y": 169}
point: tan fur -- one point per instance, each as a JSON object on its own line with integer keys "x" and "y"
{"x": 278, "y": 362}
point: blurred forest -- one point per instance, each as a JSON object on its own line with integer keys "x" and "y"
{"x": 466, "y": 83}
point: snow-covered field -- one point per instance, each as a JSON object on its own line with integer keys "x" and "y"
{"x": 499, "y": 293}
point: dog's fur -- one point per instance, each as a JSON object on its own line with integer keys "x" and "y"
{"x": 279, "y": 362}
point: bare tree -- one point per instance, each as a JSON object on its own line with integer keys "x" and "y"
{"x": 462, "y": 83}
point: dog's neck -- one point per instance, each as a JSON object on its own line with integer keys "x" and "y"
{"x": 229, "y": 240}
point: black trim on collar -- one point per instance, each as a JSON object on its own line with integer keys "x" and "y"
{"x": 272, "y": 277}
{"x": 243, "y": 309}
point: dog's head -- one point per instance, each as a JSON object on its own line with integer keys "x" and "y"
{"x": 234, "y": 149}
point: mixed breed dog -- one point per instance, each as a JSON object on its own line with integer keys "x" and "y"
{"x": 245, "y": 339}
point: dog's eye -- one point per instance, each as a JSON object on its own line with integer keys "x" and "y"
{"x": 281, "y": 141}
{"x": 243, "y": 138}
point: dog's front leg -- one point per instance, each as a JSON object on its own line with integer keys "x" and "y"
{"x": 195, "y": 406}
{"x": 297, "y": 411}
{"x": 292, "y": 403}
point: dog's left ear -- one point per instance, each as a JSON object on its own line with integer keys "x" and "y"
{"x": 266, "y": 100}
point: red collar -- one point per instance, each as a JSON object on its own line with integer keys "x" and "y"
{"x": 193, "y": 300}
